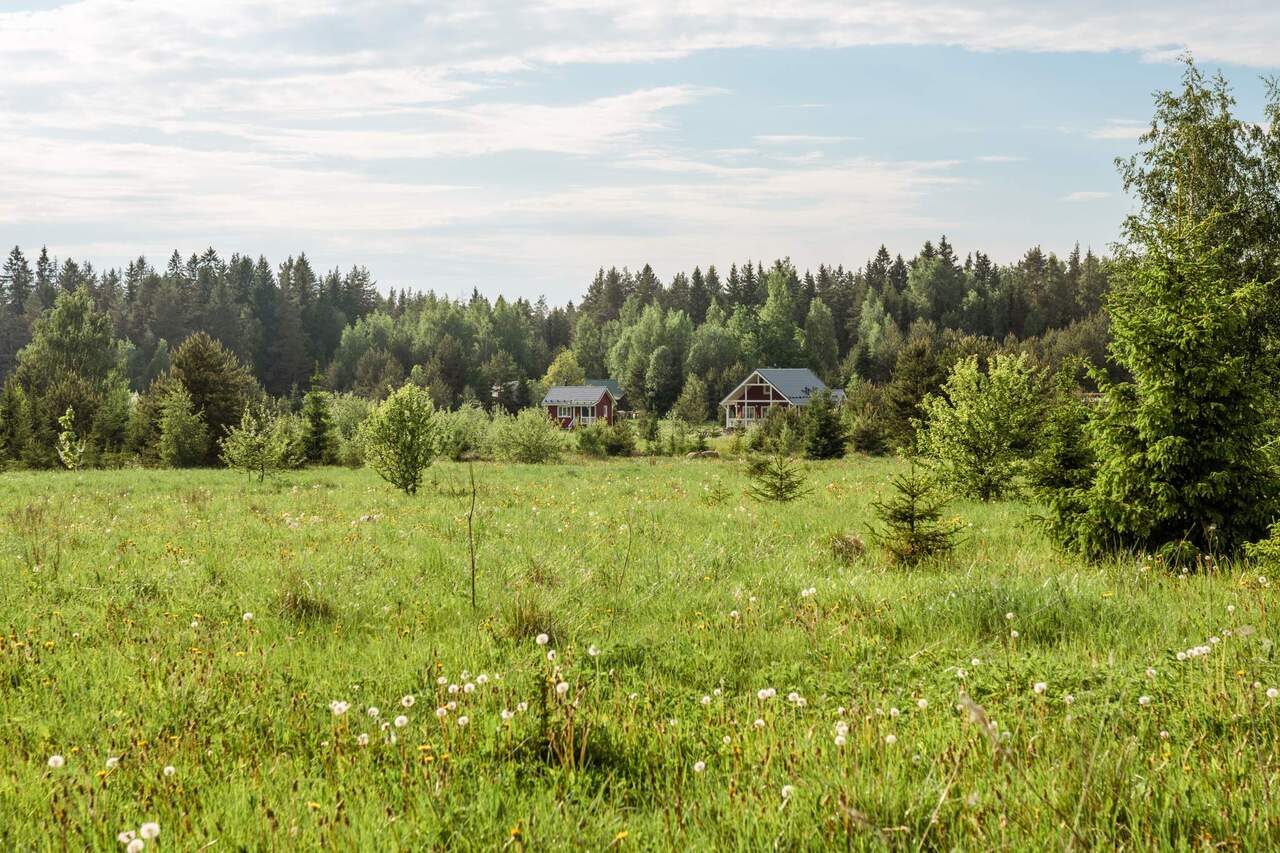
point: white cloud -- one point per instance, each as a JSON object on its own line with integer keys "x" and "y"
{"x": 1120, "y": 129}
{"x": 1086, "y": 195}
{"x": 1000, "y": 158}
{"x": 801, "y": 139}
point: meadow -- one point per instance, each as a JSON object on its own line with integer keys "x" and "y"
{"x": 653, "y": 661}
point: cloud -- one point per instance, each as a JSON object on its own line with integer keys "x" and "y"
{"x": 1125, "y": 129}
{"x": 801, "y": 139}
{"x": 1000, "y": 158}
{"x": 1086, "y": 195}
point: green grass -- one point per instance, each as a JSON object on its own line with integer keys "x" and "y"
{"x": 123, "y": 594}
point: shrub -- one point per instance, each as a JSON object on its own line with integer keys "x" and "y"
{"x": 259, "y": 445}
{"x": 913, "y": 527}
{"x": 184, "y": 439}
{"x": 601, "y": 439}
{"x": 691, "y": 405}
{"x": 824, "y": 432}
{"x": 219, "y": 384}
{"x": 868, "y": 423}
{"x": 463, "y": 433}
{"x": 349, "y": 411}
{"x": 981, "y": 430}
{"x": 781, "y": 431}
{"x": 529, "y": 436}
{"x": 776, "y": 477}
{"x": 400, "y": 437}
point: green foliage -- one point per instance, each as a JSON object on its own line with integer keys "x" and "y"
{"x": 692, "y": 407}
{"x": 917, "y": 373}
{"x": 1061, "y": 470}
{"x": 912, "y": 527}
{"x": 17, "y": 435}
{"x": 981, "y": 429}
{"x": 529, "y": 436}
{"x": 821, "y": 347}
{"x": 464, "y": 433}
{"x": 824, "y": 430}
{"x": 399, "y": 438}
{"x": 70, "y": 447}
{"x": 184, "y": 438}
{"x": 776, "y": 478}
{"x": 219, "y": 385}
{"x": 869, "y": 430}
{"x": 600, "y": 439}
{"x": 260, "y": 445}
{"x": 781, "y": 431}
{"x": 565, "y": 370}
{"x": 319, "y": 439}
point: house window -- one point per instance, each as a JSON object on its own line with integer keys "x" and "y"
{"x": 563, "y": 411}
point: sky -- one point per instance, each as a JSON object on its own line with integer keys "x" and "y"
{"x": 517, "y": 147}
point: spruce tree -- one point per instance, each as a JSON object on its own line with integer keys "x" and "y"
{"x": 824, "y": 431}
{"x": 912, "y": 527}
{"x": 319, "y": 444}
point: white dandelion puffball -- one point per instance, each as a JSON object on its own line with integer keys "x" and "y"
{"x": 247, "y": 617}
{"x": 960, "y": 673}
{"x": 1231, "y": 608}
{"x": 401, "y": 721}
{"x": 407, "y": 701}
{"x": 522, "y": 707}
{"x": 840, "y": 740}
{"x": 975, "y": 662}
{"x": 922, "y": 704}
{"x": 562, "y": 688}
{"x": 112, "y": 762}
{"x": 593, "y": 650}
{"x": 1182, "y": 655}
{"x": 1272, "y": 693}
{"x": 362, "y": 739}
{"x": 169, "y": 770}
{"x": 706, "y": 700}
{"x": 373, "y": 711}
{"x": 891, "y": 739}
{"x": 1009, "y": 616}
{"x": 468, "y": 687}
{"x": 442, "y": 712}
{"x": 195, "y": 623}
{"x": 894, "y": 712}
{"x": 1164, "y": 735}
{"x": 1040, "y": 687}
{"x": 699, "y": 766}
{"x": 759, "y": 723}
{"x": 135, "y": 846}
{"x": 1151, "y": 672}
{"x": 442, "y": 681}
{"x": 507, "y": 714}
{"x": 126, "y": 836}
{"x": 482, "y": 679}
{"x": 463, "y": 720}
{"x": 542, "y": 639}
{"x": 338, "y": 707}
{"x": 149, "y": 830}
{"x": 1069, "y": 699}
{"x": 452, "y": 706}
{"x": 787, "y": 791}
{"x": 1144, "y": 700}
{"x": 56, "y": 761}
{"x": 733, "y": 614}
{"x": 551, "y": 655}
{"x": 726, "y": 740}
{"x": 453, "y": 688}
{"x": 1014, "y": 634}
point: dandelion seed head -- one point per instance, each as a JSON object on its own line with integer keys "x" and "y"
{"x": 135, "y": 846}
{"x": 169, "y": 770}
{"x": 699, "y": 766}
{"x": 1144, "y": 700}
{"x": 1272, "y": 693}
{"x": 562, "y": 688}
{"x": 922, "y": 704}
{"x": 840, "y": 740}
{"x": 362, "y": 739}
{"x": 339, "y": 707}
{"x": 705, "y": 700}
{"x": 890, "y": 739}
{"x": 542, "y": 639}
{"x": 373, "y": 711}
{"x": 149, "y": 830}
{"x": 407, "y": 700}
{"x": 593, "y": 650}
{"x": 442, "y": 712}
{"x": 1040, "y": 687}
{"x": 56, "y": 761}
{"x": 463, "y": 720}
{"x": 401, "y": 721}
{"x": 1069, "y": 699}
{"x": 759, "y": 723}
{"x": 787, "y": 791}
{"x": 247, "y": 617}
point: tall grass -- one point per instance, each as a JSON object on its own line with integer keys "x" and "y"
{"x": 138, "y": 648}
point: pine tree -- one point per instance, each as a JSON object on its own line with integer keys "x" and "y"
{"x": 917, "y": 373}
{"x": 16, "y": 281}
{"x": 912, "y": 526}
{"x": 319, "y": 444}
{"x": 219, "y": 385}
{"x": 776, "y": 478}
{"x": 824, "y": 431}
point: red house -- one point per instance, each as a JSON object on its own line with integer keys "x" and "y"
{"x": 771, "y": 388}
{"x": 578, "y": 405}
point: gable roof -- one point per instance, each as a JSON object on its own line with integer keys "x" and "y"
{"x": 574, "y": 395}
{"x": 615, "y": 388}
{"x": 797, "y": 384}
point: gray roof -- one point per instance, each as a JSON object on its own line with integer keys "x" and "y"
{"x": 573, "y": 395}
{"x": 797, "y": 384}
{"x": 612, "y": 384}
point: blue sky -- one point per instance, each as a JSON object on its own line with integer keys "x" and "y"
{"x": 516, "y": 147}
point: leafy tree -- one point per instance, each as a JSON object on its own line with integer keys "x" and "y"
{"x": 912, "y": 527}
{"x": 564, "y": 370}
{"x": 820, "y": 346}
{"x": 70, "y": 447}
{"x": 184, "y": 438}
{"x": 258, "y": 445}
{"x": 530, "y": 437}
{"x": 463, "y": 433}
{"x": 602, "y": 439}
{"x": 399, "y": 437}
{"x": 662, "y": 380}
{"x": 17, "y": 436}
{"x": 981, "y": 428}
{"x": 824, "y": 430}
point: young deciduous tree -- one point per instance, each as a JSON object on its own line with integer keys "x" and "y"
{"x": 981, "y": 428}
{"x": 258, "y": 445}
{"x": 184, "y": 438}
{"x": 400, "y": 437}
{"x": 691, "y": 407}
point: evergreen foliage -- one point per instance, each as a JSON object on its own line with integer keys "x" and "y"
{"x": 776, "y": 478}
{"x": 912, "y": 526}
{"x": 319, "y": 442}
{"x": 824, "y": 429}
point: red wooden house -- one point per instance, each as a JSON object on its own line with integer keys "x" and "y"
{"x": 771, "y": 388}
{"x": 578, "y": 405}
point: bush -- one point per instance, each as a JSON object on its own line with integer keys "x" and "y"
{"x": 869, "y": 428}
{"x": 691, "y": 406}
{"x": 981, "y": 430}
{"x": 400, "y": 437}
{"x": 529, "y": 436}
{"x": 601, "y": 439}
{"x": 913, "y": 527}
{"x": 184, "y": 439}
{"x": 781, "y": 431}
{"x": 464, "y": 433}
{"x": 824, "y": 432}
{"x": 349, "y": 411}
{"x": 259, "y": 445}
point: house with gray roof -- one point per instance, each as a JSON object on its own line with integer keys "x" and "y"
{"x": 772, "y": 388}
{"x": 578, "y": 405}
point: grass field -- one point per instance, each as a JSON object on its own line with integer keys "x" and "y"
{"x": 126, "y": 642}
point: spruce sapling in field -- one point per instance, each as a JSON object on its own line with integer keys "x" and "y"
{"x": 319, "y": 442}
{"x": 913, "y": 528}
{"x": 400, "y": 437}
{"x": 776, "y": 478}
{"x": 824, "y": 430}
